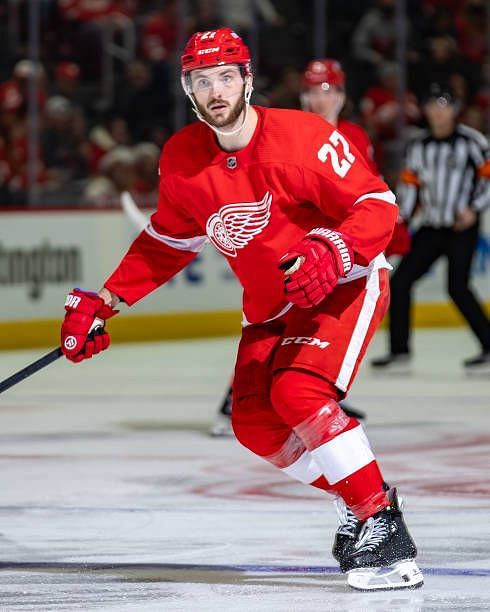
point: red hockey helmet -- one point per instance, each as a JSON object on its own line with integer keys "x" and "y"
{"x": 326, "y": 72}
{"x": 215, "y": 48}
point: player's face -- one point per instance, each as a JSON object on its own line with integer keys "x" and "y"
{"x": 219, "y": 94}
{"x": 440, "y": 114}
{"x": 325, "y": 101}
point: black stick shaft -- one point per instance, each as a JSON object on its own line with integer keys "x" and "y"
{"x": 30, "y": 369}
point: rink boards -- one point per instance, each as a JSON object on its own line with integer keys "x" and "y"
{"x": 43, "y": 254}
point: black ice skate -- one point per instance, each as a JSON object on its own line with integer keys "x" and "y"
{"x": 383, "y": 554}
{"x": 479, "y": 364}
{"x": 347, "y": 531}
{"x": 350, "y": 411}
{"x": 222, "y": 428}
{"x": 349, "y": 527}
{"x": 399, "y": 363}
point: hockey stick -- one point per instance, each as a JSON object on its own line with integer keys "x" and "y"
{"x": 32, "y": 368}
{"x": 290, "y": 268}
{"x": 140, "y": 222}
{"x": 42, "y": 362}
{"x": 134, "y": 214}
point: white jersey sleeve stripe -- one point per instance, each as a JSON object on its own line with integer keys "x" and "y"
{"x": 386, "y": 196}
{"x": 194, "y": 244}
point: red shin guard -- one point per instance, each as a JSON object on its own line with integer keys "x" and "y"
{"x": 308, "y": 403}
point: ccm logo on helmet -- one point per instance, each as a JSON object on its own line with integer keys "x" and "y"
{"x": 322, "y": 344}
{"x": 211, "y": 50}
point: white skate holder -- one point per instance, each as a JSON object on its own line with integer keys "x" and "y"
{"x": 397, "y": 576}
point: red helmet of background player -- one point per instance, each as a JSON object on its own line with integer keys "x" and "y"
{"x": 325, "y": 72}
{"x": 215, "y": 48}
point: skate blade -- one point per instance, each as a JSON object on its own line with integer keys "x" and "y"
{"x": 401, "y": 575}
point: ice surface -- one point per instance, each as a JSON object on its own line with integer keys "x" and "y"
{"x": 114, "y": 498}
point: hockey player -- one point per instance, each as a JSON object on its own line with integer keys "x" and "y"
{"x": 323, "y": 93}
{"x": 303, "y": 222}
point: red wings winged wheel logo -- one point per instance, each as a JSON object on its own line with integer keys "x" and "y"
{"x": 234, "y": 225}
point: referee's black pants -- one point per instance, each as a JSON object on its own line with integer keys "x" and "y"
{"x": 428, "y": 245}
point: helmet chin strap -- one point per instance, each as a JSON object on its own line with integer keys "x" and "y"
{"x": 247, "y": 94}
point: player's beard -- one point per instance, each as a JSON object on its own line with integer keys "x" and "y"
{"x": 229, "y": 119}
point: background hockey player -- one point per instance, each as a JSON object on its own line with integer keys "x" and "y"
{"x": 324, "y": 94}
{"x": 303, "y": 222}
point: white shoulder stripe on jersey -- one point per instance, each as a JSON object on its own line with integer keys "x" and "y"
{"x": 474, "y": 134}
{"x": 194, "y": 244}
{"x": 386, "y": 196}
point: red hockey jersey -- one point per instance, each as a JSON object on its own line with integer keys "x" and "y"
{"x": 297, "y": 173}
{"x": 359, "y": 138}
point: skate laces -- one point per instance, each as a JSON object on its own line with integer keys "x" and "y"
{"x": 373, "y": 532}
{"x": 348, "y": 521}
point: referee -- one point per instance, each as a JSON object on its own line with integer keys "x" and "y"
{"x": 446, "y": 181}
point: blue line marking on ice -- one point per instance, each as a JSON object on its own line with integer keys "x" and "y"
{"x": 253, "y": 568}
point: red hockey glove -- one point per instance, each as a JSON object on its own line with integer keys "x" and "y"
{"x": 313, "y": 267}
{"x": 401, "y": 240}
{"x": 82, "y": 331}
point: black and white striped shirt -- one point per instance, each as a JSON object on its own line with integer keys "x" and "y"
{"x": 445, "y": 176}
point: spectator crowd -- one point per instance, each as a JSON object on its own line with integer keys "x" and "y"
{"x": 103, "y": 117}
